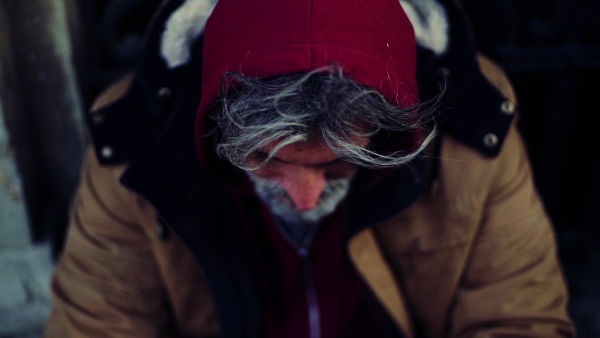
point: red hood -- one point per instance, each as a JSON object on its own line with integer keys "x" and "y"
{"x": 373, "y": 41}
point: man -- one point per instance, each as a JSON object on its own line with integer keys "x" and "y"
{"x": 308, "y": 169}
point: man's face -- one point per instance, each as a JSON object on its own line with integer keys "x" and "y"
{"x": 304, "y": 182}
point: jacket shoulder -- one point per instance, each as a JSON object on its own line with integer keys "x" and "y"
{"x": 496, "y": 76}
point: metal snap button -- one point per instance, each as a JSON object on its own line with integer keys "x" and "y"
{"x": 164, "y": 93}
{"x": 490, "y": 140}
{"x": 508, "y": 107}
{"x": 107, "y": 152}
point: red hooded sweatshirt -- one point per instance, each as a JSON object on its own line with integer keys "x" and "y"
{"x": 312, "y": 292}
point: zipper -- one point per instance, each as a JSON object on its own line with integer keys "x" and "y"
{"x": 302, "y": 249}
{"x": 314, "y": 316}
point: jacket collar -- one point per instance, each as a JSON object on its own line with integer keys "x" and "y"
{"x": 168, "y": 176}
{"x": 471, "y": 110}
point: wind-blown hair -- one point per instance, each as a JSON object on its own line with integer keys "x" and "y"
{"x": 252, "y": 113}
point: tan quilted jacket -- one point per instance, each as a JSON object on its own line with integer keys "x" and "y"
{"x": 474, "y": 257}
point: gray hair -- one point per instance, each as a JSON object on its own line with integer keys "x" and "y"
{"x": 252, "y": 113}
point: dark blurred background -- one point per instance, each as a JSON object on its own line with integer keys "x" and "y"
{"x": 549, "y": 48}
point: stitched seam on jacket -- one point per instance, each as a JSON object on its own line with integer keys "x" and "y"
{"x": 511, "y": 228}
{"x": 446, "y": 246}
{"x": 110, "y": 288}
{"x": 542, "y": 247}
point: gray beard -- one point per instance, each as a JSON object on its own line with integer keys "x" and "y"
{"x": 282, "y": 206}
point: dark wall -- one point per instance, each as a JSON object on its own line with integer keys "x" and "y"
{"x": 41, "y": 109}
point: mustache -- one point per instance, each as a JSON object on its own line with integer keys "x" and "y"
{"x": 275, "y": 189}
{"x": 282, "y": 205}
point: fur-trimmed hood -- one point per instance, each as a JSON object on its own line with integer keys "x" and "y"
{"x": 445, "y": 47}
{"x": 373, "y": 42}
{"x": 427, "y": 17}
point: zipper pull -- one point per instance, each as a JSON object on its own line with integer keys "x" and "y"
{"x": 304, "y": 254}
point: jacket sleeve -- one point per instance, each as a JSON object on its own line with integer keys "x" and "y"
{"x": 106, "y": 282}
{"x": 513, "y": 285}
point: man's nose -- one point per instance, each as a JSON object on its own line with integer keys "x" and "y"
{"x": 304, "y": 186}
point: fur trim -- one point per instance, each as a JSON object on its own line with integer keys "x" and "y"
{"x": 428, "y": 18}
{"x": 429, "y": 21}
{"x": 183, "y": 26}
